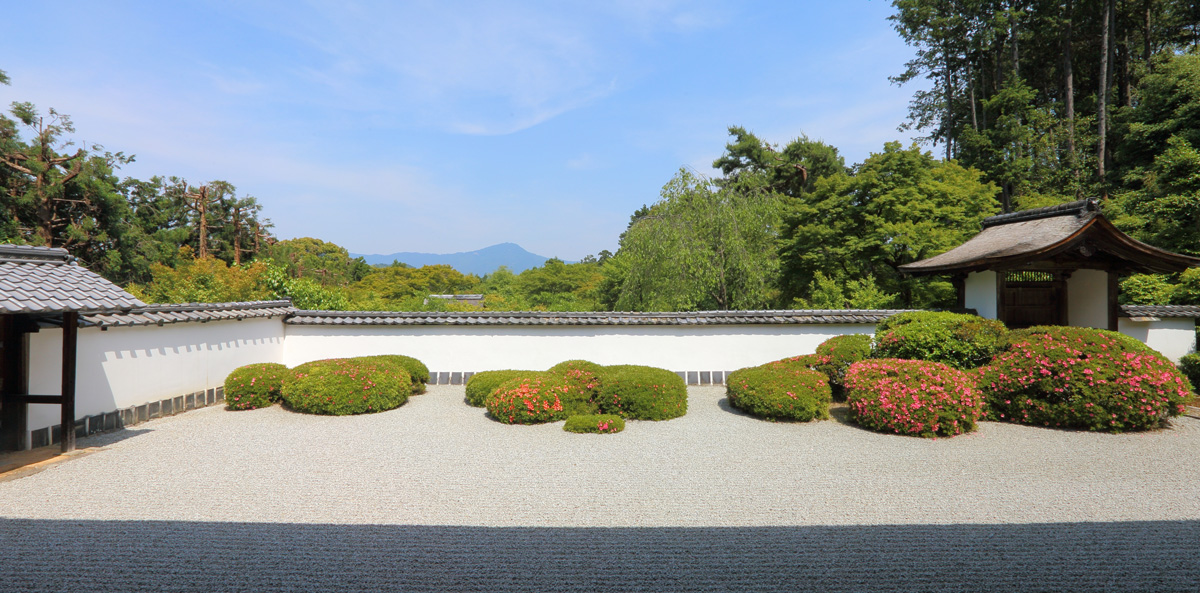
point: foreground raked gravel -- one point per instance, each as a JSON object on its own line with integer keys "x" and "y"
{"x": 436, "y": 461}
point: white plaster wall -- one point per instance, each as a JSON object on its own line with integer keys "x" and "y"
{"x": 1173, "y": 337}
{"x": 483, "y": 348}
{"x": 1087, "y": 299}
{"x": 980, "y": 289}
{"x": 127, "y": 366}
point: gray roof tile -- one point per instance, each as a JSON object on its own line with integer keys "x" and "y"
{"x": 39, "y": 280}
{"x": 589, "y": 318}
{"x": 189, "y": 312}
{"x": 1178, "y": 311}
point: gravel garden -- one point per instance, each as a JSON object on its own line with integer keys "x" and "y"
{"x": 924, "y": 374}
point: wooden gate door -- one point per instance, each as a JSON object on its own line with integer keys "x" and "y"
{"x": 1029, "y": 298}
{"x": 14, "y": 380}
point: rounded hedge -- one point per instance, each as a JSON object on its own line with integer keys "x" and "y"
{"x": 417, "y": 371}
{"x": 254, "y": 386}
{"x": 642, "y": 393}
{"x": 342, "y": 386}
{"x": 912, "y": 397}
{"x": 585, "y": 377}
{"x": 595, "y": 424}
{"x": 836, "y": 354}
{"x": 531, "y": 399}
{"x": 961, "y": 341}
{"x": 779, "y": 392}
{"x": 804, "y": 361}
{"x": 482, "y": 384}
{"x": 1087, "y": 378}
{"x": 1189, "y": 365}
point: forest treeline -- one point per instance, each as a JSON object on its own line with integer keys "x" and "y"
{"x": 1028, "y": 103}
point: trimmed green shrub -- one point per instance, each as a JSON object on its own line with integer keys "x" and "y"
{"x": 1189, "y": 365}
{"x": 531, "y": 399}
{"x": 961, "y": 341}
{"x": 342, "y": 386}
{"x": 254, "y": 386}
{"x": 1079, "y": 377}
{"x": 415, "y": 368}
{"x": 642, "y": 393}
{"x": 804, "y": 361}
{"x": 482, "y": 384}
{"x": 585, "y": 377}
{"x": 595, "y": 423}
{"x": 836, "y": 354}
{"x": 912, "y": 397}
{"x": 779, "y": 392}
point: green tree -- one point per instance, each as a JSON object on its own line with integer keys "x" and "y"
{"x": 325, "y": 263}
{"x": 703, "y": 246}
{"x": 899, "y": 206}
{"x": 402, "y": 288}
{"x": 203, "y": 280}
{"x": 791, "y": 171}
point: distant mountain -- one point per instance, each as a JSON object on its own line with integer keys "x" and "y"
{"x": 478, "y": 262}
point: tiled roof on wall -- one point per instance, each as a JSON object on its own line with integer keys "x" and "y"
{"x": 200, "y": 312}
{"x": 41, "y": 280}
{"x": 1179, "y": 311}
{"x": 591, "y": 318}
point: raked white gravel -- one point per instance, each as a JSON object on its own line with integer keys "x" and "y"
{"x": 437, "y": 461}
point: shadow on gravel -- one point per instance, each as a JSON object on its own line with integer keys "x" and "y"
{"x": 212, "y": 557}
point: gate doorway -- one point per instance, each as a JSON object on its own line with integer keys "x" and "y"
{"x": 1029, "y": 298}
{"x": 14, "y": 381}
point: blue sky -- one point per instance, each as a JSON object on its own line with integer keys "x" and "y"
{"x": 451, "y": 126}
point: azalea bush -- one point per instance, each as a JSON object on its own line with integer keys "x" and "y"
{"x": 804, "y": 361}
{"x": 254, "y": 386}
{"x": 961, "y": 341}
{"x": 532, "y": 399}
{"x": 1082, "y": 378}
{"x": 342, "y": 386}
{"x": 417, "y": 371}
{"x": 642, "y": 393}
{"x": 482, "y": 384}
{"x": 912, "y": 397}
{"x": 595, "y": 423}
{"x": 584, "y": 377}
{"x": 835, "y": 355}
{"x": 779, "y": 392}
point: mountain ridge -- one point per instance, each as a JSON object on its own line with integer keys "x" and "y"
{"x": 479, "y": 262}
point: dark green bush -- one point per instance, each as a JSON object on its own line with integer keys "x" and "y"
{"x": 1189, "y": 365}
{"x": 1082, "y": 378}
{"x": 836, "y": 354}
{"x": 585, "y": 377}
{"x": 254, "y": 386}
{"x": 642, "y": 393}
{"x": 778, "y": 391}
{"x": 342, "y": 386}
{"x": 415, "y": 368}
{"x": 595, "y": 423}
{"x": 912, "y": 397}
{"x": 804, "y": 361}
{"x": 530, "y": 399}
{"x": 482, "y": 384}
{"x": 961, "y": 341}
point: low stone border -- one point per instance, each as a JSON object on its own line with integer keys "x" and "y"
{"x": 133, "y": 415}
{"x": 689, "y": 377}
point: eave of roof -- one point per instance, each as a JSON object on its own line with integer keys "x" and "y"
{"x": 1022, "y": 238}
{"x": 189, "y": 312}
{"x": 1162, "y": 311}
{"x": 46, "y": 281}
{"x": 365, "y": 318}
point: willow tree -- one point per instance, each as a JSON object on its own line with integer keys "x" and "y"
{"x": 703, "y": 246}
